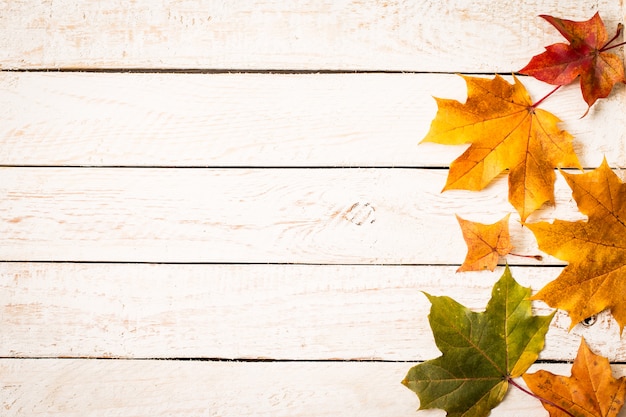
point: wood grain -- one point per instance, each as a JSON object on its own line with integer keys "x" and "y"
{"x": 354, "y": 120}
{"x": 202, "y": 214}
{"x": 321, "y": 216}
{"x": 295, "y": 312}
{"x": 74, "y": 388}
{"x": 432, "y": 36}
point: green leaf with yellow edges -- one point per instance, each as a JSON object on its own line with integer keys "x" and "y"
{"x": 481, "y": 351}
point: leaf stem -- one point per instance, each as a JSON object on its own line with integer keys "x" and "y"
{"x": 537, "y": 257}
{"x": 536, "y": 104}
{"x": 611, "y": 47}
{"x": 606, "y": 46}
{"x": 532, "y": 394}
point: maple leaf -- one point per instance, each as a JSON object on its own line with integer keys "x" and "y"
{"x": 591, "y": 391}
{"x": 485, "y": 243}
{"x": 585, "y": 56}
{"x": 481, "y": 352}
{"x": 506, "y": 132}
{"x": 595, "y": 278}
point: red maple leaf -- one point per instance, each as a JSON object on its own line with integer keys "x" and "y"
{"x": 585, "y": 56}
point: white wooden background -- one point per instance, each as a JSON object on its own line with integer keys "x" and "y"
{"x": 221, "y": 208}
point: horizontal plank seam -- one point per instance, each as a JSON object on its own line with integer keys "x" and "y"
{"x": 230, "y": 167}
{"x": 260, "y": 167}
{"x": 252, "y": 360}
{"x": 201, "y": 359}
{"x": 241, "y": 71}
{"x": 8, "y": 261}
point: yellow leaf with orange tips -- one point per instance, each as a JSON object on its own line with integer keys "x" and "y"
{"x": 506, "y": 132}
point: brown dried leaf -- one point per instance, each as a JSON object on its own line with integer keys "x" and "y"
{"x": 591, "y": 391}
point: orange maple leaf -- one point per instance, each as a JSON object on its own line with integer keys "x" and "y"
{"x": 585, "y": 56}
{"x": 595, "y": 278}
{"x": 591, "y": 391}
{"x": 485, "y": 243}
{"x": 506, "y": 132}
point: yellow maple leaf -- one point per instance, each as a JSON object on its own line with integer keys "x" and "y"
{"x": 485, "y": 243}
{"x": 595, "y": 278}
{"x": 506, "y": 132}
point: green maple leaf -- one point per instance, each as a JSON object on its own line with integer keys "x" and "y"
{"x": 481, "y": 352}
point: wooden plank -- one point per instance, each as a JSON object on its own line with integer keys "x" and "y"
{"x": 336, "y": 35}
{"x": 345, "y": 216}
{"x": 83, "y": 388}
{"x": 253, "y": 311}
{"x": 258, "y": 119}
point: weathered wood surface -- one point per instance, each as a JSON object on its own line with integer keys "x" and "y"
{"x": 405, "y": 35}
{"x": 259, "y": 119}
{"x": 186, "y": 389}
{"x": 316, "y": 216}
{"x": 294, "y": 312}
{"x": 240, "y": 258}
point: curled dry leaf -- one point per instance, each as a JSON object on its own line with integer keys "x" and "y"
{"x": 585, "y": 56}
{"x": 591, "y": 391}
{"x": 481, "y": 352}
{"x": 485, "y": 243}
{"x": 595, "y": 278}
{"x": 506, "y": 132}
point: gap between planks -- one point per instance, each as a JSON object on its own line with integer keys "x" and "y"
{"x": 239, "y": 71}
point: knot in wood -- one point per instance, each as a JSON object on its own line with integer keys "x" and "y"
{"x": 361, "y": 213}
{"x": 590, "y": 321}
